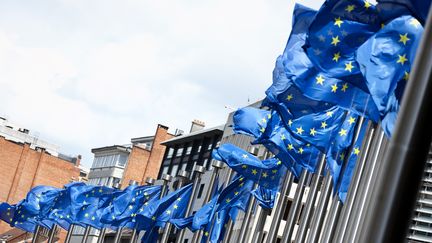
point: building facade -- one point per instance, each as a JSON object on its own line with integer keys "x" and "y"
{"x": 27, "y": 161}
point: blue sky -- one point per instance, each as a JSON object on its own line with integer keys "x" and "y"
{"x": 86, "y": 74}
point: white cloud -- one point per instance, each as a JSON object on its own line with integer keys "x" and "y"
{"x": 94, "y": 73}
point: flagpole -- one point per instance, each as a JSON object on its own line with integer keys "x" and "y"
{"x": 230, "y": 225}
{"x": 69, "y": 233}
{"x": 369, "y": 143}
{"x": 280, "y": 208}
{"x": 217, "y": 165}
{"x": 183, "y": 177}
{"x": 247, "y": 217}
{"x": 134, "y": 236}
{"x": 52, "y": 233}
{"x": 370, "y": 178}
{"x": 36, "y": 234}
{"x": 318, "y": 216}
{"x": 295, "y": 208}
{"x": 86, "y": 234}
{"x": 310, "y": 202}
{"x": 101, "y": 235}
{"x": 331, "y": 220}
{"x": 199, "y": 170}
{"x": 258, "y": 232}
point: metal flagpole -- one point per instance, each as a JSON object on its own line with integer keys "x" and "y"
{"x": 134, "y": 235}
{"x": 372, "y": 169}
{"x": 310, "y": 202}
{"x": 199, "y": 170}
{"x": 295, "y": 208}
{"x": 369, "y": 143}
{"x": 258, "y": 232}
{"x": 247, "y": 217}
{"x": 101, "y": 237}
{"x": 217, "y": 165}
{"x": 394, "y": 195}
{"x": 318, "y": 216}
{"x": 331, "y": 220}
{"x": 280, "y": 208}
{"x": 69, "y": 233}
{"x": 86, "y": 234}
{"x": 36, "y": 234}
{"x": 230, "y": 225}
{"x": 52, "y": 233}
{"x": 183, "y": 177}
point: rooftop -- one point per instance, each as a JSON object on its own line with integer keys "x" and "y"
{"x": 193, "y": 135}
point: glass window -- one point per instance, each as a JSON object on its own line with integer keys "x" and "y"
{"x": 205, "y": 163}
{"x": 201, "y": 189}
{"x": 174, "y": 170}
{"x": 165, "y": 169}
{"x": 199, "y": 149}
{"x": 179, "y": 152}
{"x": 122, "y": 159}
{"x": 188, "y": 150}
{"x": 170, "y": 153}
{"x": 209, "y": 146}
{"x": 183, "y": 167}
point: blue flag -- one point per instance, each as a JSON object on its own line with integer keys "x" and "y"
{"x": 265, "y": 196}
{"x": 160, "y": 211}
{"x": 345, "y": 179}
{"x": 7, "y": 212}
{"x": 391, "y": 9}
{"x": 266, "y": 173}
{"x": 125, "y": 205}
{"x": 385, "y": 61}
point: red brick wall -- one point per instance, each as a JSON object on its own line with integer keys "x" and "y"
{"x": 23, "y": 168}
{"x": 136, "y": 165}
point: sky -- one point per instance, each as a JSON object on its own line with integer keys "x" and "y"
{"x": 84, "y": 74}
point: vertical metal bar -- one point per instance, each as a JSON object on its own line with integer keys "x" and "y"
{"x": 394, "y": 195}
{"x": 331, "y": 220}
{"x": 183, "y": 176}
{"x": 86, "y": 234}
{"x": 230, "y": 225}
{"x": 369, "y": 143}
{"x": 247, "y": 217}
{"x": 280, "y": 208}
{"x": 101, "y": 238}
{"x": 318, "y": 216}
{"x": 258, "y": 234}
{"x": 310, "y": 202}
{"x": 69, "y": 233}
{"x": 295, "y": 208}
{"x": 36, "y": 234}
{"x": 52, "y": 233}
{"x": 199, "y": 171}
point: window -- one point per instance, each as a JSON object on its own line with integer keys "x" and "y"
{"x": 188, "y": 150}
{"x": 205, "y": 163}
{"x": 170, "y": 153}
{"x": 209, "y": 146}
{"x": 179, "y": 152}
{"x": 185, "y": 240}
{"x": 122, "y": 159}
{"x": 201, "y": 189}
{"x": 199, "y": 149}
{"x": 183, "y": 167}
{"x": 174, "y": 170}
{"x": 165, "y": 169}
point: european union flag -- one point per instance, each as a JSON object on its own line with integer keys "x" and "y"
{"x": 158, "y": 212}
{"x": 217, "y": 228}
{"x": 7, "y": 212}
{"x": 265, "y": 196}
{"x": 125, "y": 204}
{"x": 92, "y": 200}
{"x": 182, "y": 223}
{"x": 205, "y": 214}
{"x": 24, "y": 217}
{"x": 391, "y": 9}
{"x": 385, "y": 61}
{"x": 351, "y": 163}
{"x": 337, "y": 153}
{"x": 266, "y": 173}
{"x": 233, "y": 194}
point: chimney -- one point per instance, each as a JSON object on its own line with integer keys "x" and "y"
{"x": 197, "y": 125}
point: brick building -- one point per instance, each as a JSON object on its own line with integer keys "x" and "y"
{"x": 25, "y": 162}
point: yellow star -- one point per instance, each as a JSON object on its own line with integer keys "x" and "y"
{"x": 299, "y": 130}
{"x": 320, "y": 80}
{"x": 268, "y": 116}
{"x": 329, "y": 113}
{"x": 206, "y": 233}
{"x": 323, "y": 124}
{"x": 356, "y": 151}
{"x": 154, "y": 218}
{"x": 404, "y": 38}
{"x": 312, "y": 131}
{"x": 130, "y": 207}
{"x": 228, "y": 200}
{"x": 414, "y": 22}
{"x": 335, "y": 40}
{"x": 254, "y": 172}
{"x": 406, "y": 76}
{"x": 241, "y": 179}
{"x": 334, "y": 88}
{"x": 290, "y": 147}
{"x": 367, "y": 4}
{"x": 179, "y": 199}
{"x": 402, "y": 59}
{"x": 290, "y": 122}
{"x": 301, "y": 150}
{"x": 282, "y": 137}
{"x": 244, "y": 166}
{"x": 338, "y": 22}
{"x": 343, "y": 132}
{"x": 86, "y": 215}
{"x": 274, "y": 171}
{"x": 336, "y": 56}
{"x": 175, "y": 206}
{"x": 382, "y": 25}
{"x": 342, "y": 156}
{"x": 350, "y": 8}
{"x": 351, "y": 120}
{"x": 264, "y": 175}
{"x": 264, "y": 120}
{"x": 262, "y": 129}
{"x": 168, "y": 212}
{"x": 236, "y": 193}
{"x": 290, "y": 97}
{"x": 349, "y": 66}
{"x": 93, "y": 218}
{"x": 244, "y": 156}
{"x": 279, "y": 162}
{"x": 344, "y": 87}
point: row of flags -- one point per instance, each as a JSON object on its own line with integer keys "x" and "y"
{"x": 343, "y": 66}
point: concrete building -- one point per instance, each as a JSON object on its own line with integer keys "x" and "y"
{"x": 27, "y": 161}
